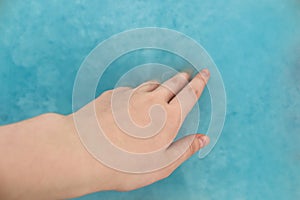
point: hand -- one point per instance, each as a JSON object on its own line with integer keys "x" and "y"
{"x": 145, "y": 119}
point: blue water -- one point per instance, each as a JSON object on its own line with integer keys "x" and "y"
{"x": 255, "y": 44}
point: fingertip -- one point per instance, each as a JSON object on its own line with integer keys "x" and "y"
{"x": 203, "y": 139}
{"x": 207, "y": 140}
{"x": 205, "y": 73}
{"x": 188, "y": 72}
{"x": 185, "y": 74}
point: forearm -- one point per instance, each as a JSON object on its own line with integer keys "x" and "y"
{"x": 36, "y": 162}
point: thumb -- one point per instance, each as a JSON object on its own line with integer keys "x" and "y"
{"x": 189, "y": 145}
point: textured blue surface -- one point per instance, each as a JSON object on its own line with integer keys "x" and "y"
{"x": 255, "y": 43}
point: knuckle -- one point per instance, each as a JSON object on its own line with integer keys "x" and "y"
{"x": 154, "y": 82}
{"x": 202, "y": 80}
{"x": 190, "y": 89}
{"x": 149, "y": 84}
{"x": 154, "y": 98}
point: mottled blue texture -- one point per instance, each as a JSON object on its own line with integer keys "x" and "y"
{"x": 255, "y": 44}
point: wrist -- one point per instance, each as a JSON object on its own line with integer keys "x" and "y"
{"x": 93, "y": 176}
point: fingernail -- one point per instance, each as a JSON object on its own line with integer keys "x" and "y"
{"x": 200, "y": 142}
{"x": 205, "y": 73}
{"x": 204, "y": 140}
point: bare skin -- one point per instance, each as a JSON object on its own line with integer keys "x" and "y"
{"x": 43, "y": 157}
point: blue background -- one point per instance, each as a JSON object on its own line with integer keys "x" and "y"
{"x": 255, "y": 44}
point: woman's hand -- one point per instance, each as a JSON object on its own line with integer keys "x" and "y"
{"x": 49, "y": 160}
{"x": 146, "y": 119}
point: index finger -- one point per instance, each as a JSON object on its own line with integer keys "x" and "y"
{"x": 189, "y": 95}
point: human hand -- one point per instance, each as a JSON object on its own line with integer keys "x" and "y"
{"x": 142, "y": 120}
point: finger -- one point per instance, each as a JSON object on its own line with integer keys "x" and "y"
{"x": 148, "y": 86}
{"x": 171, "y": 87}
{"x": 189, "y": 95}
{"x": 189, "y": 145}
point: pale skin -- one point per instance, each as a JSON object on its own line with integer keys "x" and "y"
{"x": 43, "y": 157}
